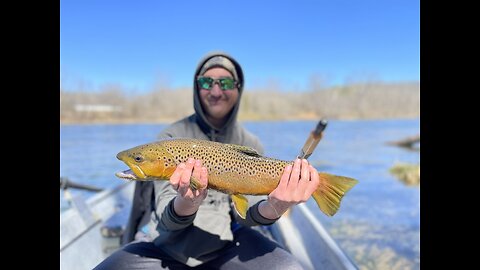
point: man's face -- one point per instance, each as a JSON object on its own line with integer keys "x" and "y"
{"x": 217, "y": 103}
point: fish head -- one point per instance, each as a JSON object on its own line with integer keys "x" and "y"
{"x": 147, "y": 162}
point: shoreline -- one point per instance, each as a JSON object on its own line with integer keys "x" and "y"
{"x": 169, "y": 121}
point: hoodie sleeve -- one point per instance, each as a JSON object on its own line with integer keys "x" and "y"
{"x": 165, "y": 215}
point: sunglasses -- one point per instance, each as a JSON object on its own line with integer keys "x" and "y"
{"x": 207, "y": 83}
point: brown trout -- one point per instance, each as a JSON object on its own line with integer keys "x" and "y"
{"x": 232, "y": 169}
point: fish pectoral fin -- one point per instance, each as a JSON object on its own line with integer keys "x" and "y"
{"x": 195, "y": 183}
{"x": 240, "y": 204}
{"x": 246, "y": 150}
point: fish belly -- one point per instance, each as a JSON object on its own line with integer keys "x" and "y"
{"x": 255, "y": 177}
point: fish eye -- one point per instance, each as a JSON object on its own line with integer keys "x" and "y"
{"x": 138, "y": 158}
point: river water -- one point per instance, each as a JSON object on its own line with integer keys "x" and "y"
{"x": 378, "y": 224}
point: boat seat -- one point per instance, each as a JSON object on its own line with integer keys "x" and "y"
{"x": 113, "y": 229}
{"x": 115, "y": 225}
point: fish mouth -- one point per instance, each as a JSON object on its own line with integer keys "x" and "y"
{"x": 127, "y": 174}
{"x": 135, "y": 173}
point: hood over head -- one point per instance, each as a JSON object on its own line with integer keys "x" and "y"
{"x": 211, "y": 60}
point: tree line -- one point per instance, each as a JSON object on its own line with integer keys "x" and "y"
{"x": 366, "y": 100}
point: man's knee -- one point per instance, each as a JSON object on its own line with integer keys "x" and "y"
{"x": 292, "y": 265}
{"x": 282, "y": 259}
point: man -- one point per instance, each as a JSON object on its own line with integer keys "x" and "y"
{"x": 198, "y": 228}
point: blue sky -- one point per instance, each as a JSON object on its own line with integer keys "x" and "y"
{"x": 139, "y": 44}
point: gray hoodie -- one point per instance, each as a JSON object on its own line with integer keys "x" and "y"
{"x": 200, "y": 237}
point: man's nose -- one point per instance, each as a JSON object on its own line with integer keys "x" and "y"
{"x": 216, "y": 91}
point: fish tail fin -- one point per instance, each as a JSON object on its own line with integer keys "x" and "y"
{"x": 331, "y": 191}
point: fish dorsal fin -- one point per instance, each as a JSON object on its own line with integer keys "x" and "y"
{"x": 245, "y": 149}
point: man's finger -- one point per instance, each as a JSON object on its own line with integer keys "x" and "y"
{"x": 295, "y": 175}
{"x": 204, "y": 177}
{"x": 285, "y": 176}
{"x": 197, "y": 167}
{"x": 184, "y": 183}
{"x": 313, "y": 184}
{"x": 304, "y": 178}
{"x": 175, "y": 178}
{"x": 187, "y": 173}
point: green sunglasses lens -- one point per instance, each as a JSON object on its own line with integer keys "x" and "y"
{"x": 205, "y": 82}
{"x": 227, "y": 83}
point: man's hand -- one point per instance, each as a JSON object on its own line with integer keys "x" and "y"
{"x": 188, "y": 201}
{"x": 297, "y": 184}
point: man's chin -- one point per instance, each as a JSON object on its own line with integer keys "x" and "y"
{"x": 218, "y": 111}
